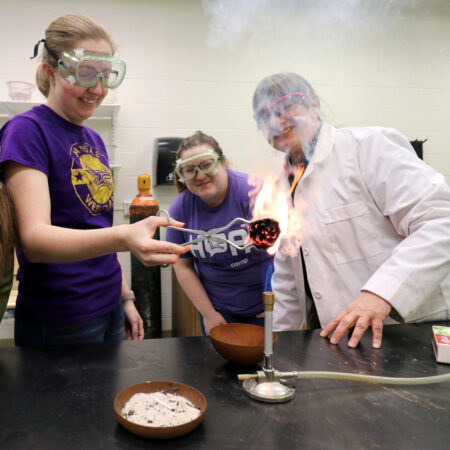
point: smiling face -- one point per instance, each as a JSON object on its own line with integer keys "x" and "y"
{"x": 210, "y": 187}
{"x": 74, "y": 103}
{"x": 289, "y": 126}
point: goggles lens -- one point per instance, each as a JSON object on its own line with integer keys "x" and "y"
{"x": 85, "y": 69}
{"x": 186, "y": 170}
{"x": 278, "y": 107}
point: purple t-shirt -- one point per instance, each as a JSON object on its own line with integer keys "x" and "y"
{"x": 233, "y": 279}
{"x": 75, "y": 160}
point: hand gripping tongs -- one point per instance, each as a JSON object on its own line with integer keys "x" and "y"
{"x": 210, "y": 235}
{"x": 262, "y": 233}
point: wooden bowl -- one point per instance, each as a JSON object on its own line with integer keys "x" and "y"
{"x": 240, "y": 343}
{"x": 184, "y": 390}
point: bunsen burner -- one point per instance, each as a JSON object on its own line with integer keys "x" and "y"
{"x": 146, "y": 281}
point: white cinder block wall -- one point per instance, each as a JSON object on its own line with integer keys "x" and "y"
{"x": 194, "y": 65}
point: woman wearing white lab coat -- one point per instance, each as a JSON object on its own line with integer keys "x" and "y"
{"x": 375, "y": 235}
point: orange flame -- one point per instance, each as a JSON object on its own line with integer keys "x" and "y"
{"x": 298, "y": 175}
{"x": 272, "y": 202}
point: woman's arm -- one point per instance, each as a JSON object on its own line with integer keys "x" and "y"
{"x": 134, "y": 326}
{"x": 43, "y": 242}
{"x": 192, "y": 286}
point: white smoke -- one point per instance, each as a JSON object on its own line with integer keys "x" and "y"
{"x": 233, "y": 22}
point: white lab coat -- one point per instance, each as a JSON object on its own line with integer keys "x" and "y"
{"x": 376, "y": 218}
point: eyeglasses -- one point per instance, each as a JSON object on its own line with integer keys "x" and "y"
{"x": 278, "y": 107}
{"x": 85, "y": 69}
{"x": 206, "y": 166}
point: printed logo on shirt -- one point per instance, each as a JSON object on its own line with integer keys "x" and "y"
{"x": 91, "y": 179}
{"x": 239, "y": 263}
{"x": 207, "y": 249}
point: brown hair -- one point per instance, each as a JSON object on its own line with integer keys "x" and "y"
{"x": 7, "y": 228}
{"x": 198, "y": 138}
{"x": 63, "y": 34}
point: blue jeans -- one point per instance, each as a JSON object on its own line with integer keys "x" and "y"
{"x": 28, "y": 331}
{"x": 234, "y": 318}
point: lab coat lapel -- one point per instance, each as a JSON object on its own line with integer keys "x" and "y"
{"x": 324, "y": 147}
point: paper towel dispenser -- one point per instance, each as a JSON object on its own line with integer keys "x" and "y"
{"x": 165, "y": 155}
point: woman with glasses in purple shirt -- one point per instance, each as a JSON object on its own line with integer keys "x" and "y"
{"x": 224, "y": 284}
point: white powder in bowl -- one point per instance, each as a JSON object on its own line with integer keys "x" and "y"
{"x": 159, "y": 409}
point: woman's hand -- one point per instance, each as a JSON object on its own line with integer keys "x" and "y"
{"x": 212, "y": 320}
{"x": 134, "y": 326}
{"x": 140, "y": 242}
{"x": 367, "y": 310}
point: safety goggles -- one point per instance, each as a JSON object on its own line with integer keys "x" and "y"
{"x": 278, "y": 107}
{"x": 85, "y": 69}
{"x": 207, "y": 166}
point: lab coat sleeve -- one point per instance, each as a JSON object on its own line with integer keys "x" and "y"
{"x": 417, "y": 201}
{"x": 288, "y": 313}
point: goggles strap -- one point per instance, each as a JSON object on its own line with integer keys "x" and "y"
{"x": 50, "y": 52}
{"x": 36, "y": 48}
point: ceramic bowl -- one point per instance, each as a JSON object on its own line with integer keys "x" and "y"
{"x": 196, "y": 397}
{"x": 240, "y": 343}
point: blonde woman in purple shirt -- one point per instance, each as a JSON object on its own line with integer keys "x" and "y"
{"x": 71, "y": 286}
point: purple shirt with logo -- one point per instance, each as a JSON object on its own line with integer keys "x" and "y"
{"x": 233, "y": 279}
{"x": 75, "y": 160}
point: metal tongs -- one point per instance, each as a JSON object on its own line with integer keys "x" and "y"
{"x": 210, "y": 235}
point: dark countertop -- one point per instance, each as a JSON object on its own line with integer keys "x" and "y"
{"x": 62, "y": 397}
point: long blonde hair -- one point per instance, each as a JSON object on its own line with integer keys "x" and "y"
{"x": 7, "y": 228}
{"x": 62, "y": 34}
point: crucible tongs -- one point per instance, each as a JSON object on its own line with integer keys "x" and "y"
{"x": 210, "y": 235}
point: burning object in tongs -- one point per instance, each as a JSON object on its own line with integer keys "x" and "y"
{"x": 263, "y": 233}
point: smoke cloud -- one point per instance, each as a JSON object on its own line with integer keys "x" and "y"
{"x": 233, "y": 22}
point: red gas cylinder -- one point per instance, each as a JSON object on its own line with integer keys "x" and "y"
{"x": 146, "y": 281}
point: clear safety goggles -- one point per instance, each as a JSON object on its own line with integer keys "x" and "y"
{"x": 278, "y": 107}
{"x": 85, "y": 69}
{"x": 208, "y": 165}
